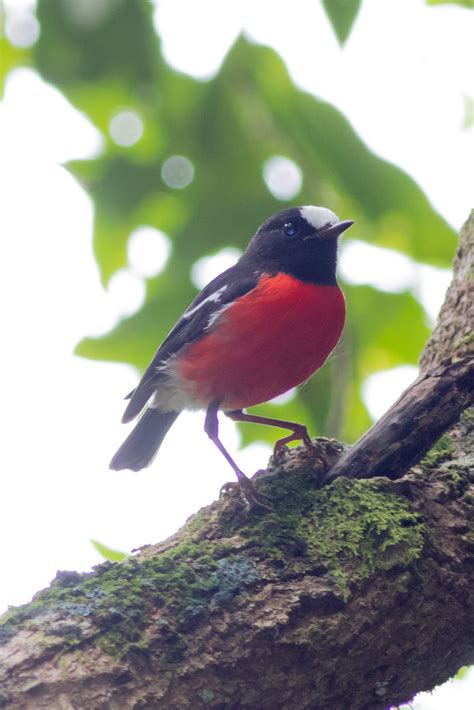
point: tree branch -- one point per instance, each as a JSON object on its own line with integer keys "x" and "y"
{"x": 360, "y": 591}
{"x": 428, "y": 408}
{"x": 444, "y": 389}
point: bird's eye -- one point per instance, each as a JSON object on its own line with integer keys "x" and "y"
{"x": 290, "y": 229}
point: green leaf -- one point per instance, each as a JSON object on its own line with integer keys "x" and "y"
{"x": 462, "y": 672}
{"x": 383, "y": 330}
{"x": 464, "y": 3}
{"x": 10, "y": 58}
{"x": 135, "y": 339}
{"x": 248, "y": 113}
{"x": 108, "y": 553}
{"x": 87, "y": 42}
{"x": 468, "y": 112}
{"x": 342, "y": 14}
{"x": 388, "y": 206}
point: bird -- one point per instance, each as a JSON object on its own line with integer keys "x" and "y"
{"x": 259, "y": 329}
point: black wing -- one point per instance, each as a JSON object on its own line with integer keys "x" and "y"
{"x": 193, "y": 324}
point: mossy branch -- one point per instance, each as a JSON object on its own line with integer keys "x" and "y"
{"x": 360, "y": 592}
{"x": 434, "y": 402}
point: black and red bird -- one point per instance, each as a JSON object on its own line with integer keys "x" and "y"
{"x": 255, "y": 331}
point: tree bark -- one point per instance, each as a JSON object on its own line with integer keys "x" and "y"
{"x": 356, "y": 591}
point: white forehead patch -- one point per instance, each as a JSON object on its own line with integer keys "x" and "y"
{"x": 318, "y": 217}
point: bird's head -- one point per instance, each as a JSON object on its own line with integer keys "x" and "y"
{"x": 301, "y": 241}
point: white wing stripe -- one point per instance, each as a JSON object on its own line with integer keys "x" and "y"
{"x": 214, "y": 297}
{"x": 214, "y": 316}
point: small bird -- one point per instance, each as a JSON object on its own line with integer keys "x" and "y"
{"x": 257, "y": 330}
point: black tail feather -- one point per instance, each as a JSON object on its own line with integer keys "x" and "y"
{"x": 137, "y": 399}
{"x": 139, "y": 448}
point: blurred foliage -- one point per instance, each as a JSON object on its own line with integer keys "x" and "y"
{"x": 105, "y": 57}
{"x": 108, "y": 553}
{"x": 468, "y": 112}
{"x": 464, "y": 3}
{"x": 342, "y": 14}
{"x": 462, "y": 672}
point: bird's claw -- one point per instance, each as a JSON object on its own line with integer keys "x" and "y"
{"x": 255, "y": 499}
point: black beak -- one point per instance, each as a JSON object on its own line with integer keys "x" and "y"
{"x": 336, "y": 229}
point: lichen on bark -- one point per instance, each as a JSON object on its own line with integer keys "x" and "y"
{"x": 350, "y": 530}
{"x": 327, "y": 566}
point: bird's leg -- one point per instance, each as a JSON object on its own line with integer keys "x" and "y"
{"x": 300, "y": 432}
{"x": 211, "y": 427}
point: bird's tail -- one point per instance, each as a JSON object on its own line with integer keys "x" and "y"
{"x": 139, "y": 448}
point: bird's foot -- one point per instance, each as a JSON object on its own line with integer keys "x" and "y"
{"x": 300, "y": 433}
{"x": 314, "y": 451}
{"x": 255, "y": 499}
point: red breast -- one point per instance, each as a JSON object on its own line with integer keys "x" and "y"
{"x": 266, "y": 342}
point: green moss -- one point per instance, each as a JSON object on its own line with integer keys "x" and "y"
{"x": 276, "y": 532}
{"x": 184, "y": 581}
{"x": 468, "y": 416}
{"x": 359, "y": 528}
{"x": 118, "y": 598}
{"x": 464, "y": 342}
{"x": 350, "y": 529}
{"x": 353, "y": 527}
{"x": 442, "y": 451}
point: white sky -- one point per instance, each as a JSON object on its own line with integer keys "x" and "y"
{"x": 401, "y": 81}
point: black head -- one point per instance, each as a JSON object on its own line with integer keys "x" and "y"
{"x": 301, "y": 241}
